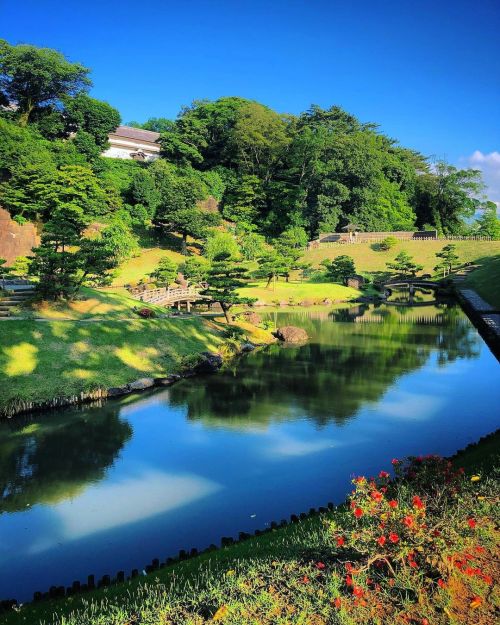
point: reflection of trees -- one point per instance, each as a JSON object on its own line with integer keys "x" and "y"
{"x": 343, "y": 366}
{"x": 57, "y": 456}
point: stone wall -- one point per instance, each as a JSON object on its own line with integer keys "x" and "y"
{"x": 16, "y": 240}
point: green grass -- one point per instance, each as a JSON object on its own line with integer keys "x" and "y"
{"x": 140, "y": 266}
{"x": 109, "y": 304}
{"x": 368, "y": 259}
{"x": 283, "y": 291}
{"x": 486, "y": 279}
{"x": 245, "y": 576}
{"x": 40, "y": 360}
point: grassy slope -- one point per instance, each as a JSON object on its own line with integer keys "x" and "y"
{"x": 486, "y": 279}
{"x": 136, "y": 268}
{"x": 298, "y": 291}
{"x": 281, "y": 546}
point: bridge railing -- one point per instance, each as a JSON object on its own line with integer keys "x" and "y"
{"x": 165, "y": 294}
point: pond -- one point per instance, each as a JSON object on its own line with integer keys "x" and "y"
{"x": 98, "y": 490}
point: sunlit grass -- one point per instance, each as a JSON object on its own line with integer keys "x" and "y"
{"x": 282, "y": 291}
{"x": 21, "y": 359}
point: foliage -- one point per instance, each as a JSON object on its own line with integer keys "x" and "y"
{"x": 272, "y": 265}
{"x": 449, "y": 258}
{"x": 404, "y": 265}
{"x": 340, "y": 269}
{"x": 224, "y": 279}
{"x": 488, "y": 224}
{"x": 32, "y": 77}
{"x": 251, "y": 245}
{"x": 387, "y": 243}
{"x": 20, "y": 266}
{"x": 219, "y": 242}
{"x": 96, "y": 118}
{"x": 195, "y": 269}
{"x": 165, "y": 272}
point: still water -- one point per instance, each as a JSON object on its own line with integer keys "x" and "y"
{"x": 97, "y": 490}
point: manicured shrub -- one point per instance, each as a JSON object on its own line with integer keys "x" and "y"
{"x": 146, "y": 313}
{"x": 387, "y": 243}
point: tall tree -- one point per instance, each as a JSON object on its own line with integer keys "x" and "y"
{"x": 449, "y": 258}
{"x": 340, "y": 268}
{"x": 32, "y": 77}
{"x": 488, "y": 224}
{"x": 165, "y": 272}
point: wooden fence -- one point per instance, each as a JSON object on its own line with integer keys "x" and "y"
{"x": 320, "y": 244}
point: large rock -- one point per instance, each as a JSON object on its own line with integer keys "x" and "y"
{"x": 141, "y": 384}
{"x": 251, "y": 317}
{"x": 291, "y": 334}
{"x": 209, "y": 363}
{"x": 247, "y": 347}
{"x": 117, "y": 391}
{"x": 167, "y": 380}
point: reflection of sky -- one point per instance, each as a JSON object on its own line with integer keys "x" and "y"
{"x": 180, "y": 483}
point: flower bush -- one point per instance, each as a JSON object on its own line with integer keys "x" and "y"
{"x": 146, "y": 313}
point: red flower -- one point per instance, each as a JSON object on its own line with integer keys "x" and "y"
{"x": 488, "y": 579}
{"x": 394, "y": 538}
{"x": 357, "y": 591}
{"x": 337, "y": 602}
{"x": 394, "y": 461}
{"x": 441, "y": 583}
{"x": 383, "y": 489}
{"x": 393, "y": 503}
{"x": 472, "y": 523}
{"x": 383, "y": 474}
{"x": 480, "y": 549}
{"x": 320, "y": 566}
{"x": 425, "y": 621}
{"x": 348, "y": 580}
{"x": 381, "y": 540}
{"x": 413, "y": 564}
{"x": 417, "y": 502}
{"x": 358, "y": 513}
{"x": 408, "y": 521}
{"x": 305, "y": 580}
{"x": 340, "y": 541}
{"x": 376, "y": 496}
{"x": 348, "y": 567}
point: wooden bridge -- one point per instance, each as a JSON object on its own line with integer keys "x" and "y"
{"x": 165, "y": 296}
{"x": 425, "y": 284}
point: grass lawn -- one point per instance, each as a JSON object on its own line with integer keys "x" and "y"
{"x": 110, "y": 304}
{"x": 486, "y": 279}
{"x": 136, "y": 268}
{"x": 40, "y": 360}
{"x": 298, "y": 291}
{"x": 296, "y": 575}
{"x": 368, "y": 259}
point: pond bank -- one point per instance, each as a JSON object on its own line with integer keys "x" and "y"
{"x": 53, "y": 364}
{"x": 303, "y": 539}
{"x": 484, "y": 316}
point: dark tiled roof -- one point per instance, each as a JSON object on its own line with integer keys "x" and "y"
{"x": 127, "y": 132}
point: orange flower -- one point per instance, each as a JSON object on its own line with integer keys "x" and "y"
{"x": 357, "y": 591}
{"x": 381, "y": 540}
{"x": 221, "y": 613}
{"x": 408, "y": 521}
{"x": 393, "y": 503}
{"x": 337, "y": 602}
{"x": 305, "y": 580}
{"x": 417, "y": 502}
{"x": 377, "y": 496}
{"x": 394, "y": 538}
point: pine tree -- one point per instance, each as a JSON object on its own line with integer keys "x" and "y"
{"x": 224, "y": 279}
{"x": 404, "y": 265}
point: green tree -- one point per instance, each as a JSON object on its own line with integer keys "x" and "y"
{"x": 252, "y": 245}
{"x": 272, "y": 265}
{"x": 447, "y": 197}
{"x": 224, "y": 279}
{"x": 32, "y": 77}
{"x": 20, "y": 266}
{"x": 219, "y": 242}
{"x": 95, "y": 117}
{"x": 488, "y": 224}
{"x": 340, "y": 268}
{"x": 404, "y": 265}
{"x": 165, "y": 272}
{"x": 449, "y": 258}
{"x": 195, "y": 269}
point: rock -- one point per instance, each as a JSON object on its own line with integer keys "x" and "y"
{"x": 116, "y": 391}
{"x": 259, "y": 302}
{"x": 291, "y": 334}
{"x": 306, "y": 302}
{"x": 252, "y": 317}
{"x": 247, "y": 347}
{"x": 168, "y": 380}
{"x": 209, "y": 363}
{"x": 141, "y": 384}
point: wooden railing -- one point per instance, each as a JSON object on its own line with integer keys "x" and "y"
{"x": 165, "y": 295}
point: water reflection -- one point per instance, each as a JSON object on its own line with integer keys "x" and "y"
{"x": 342, "y": 367}
{"x": 47, "y": 459}
{"x": 281, "y": 431}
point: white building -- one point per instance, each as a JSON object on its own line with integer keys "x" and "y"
{"x": 133, "y": 143}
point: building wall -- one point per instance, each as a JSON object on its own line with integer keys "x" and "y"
{"x": 16, "y": 240}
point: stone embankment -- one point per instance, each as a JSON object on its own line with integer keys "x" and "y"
{"x": 484, "y": 316}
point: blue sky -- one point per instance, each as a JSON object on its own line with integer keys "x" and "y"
{"x": 426, "y": 71}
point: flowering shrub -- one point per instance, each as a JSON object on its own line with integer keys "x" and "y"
{"x": 146, "y": 313}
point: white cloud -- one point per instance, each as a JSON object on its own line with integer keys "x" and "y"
{"x": 489, "y": 164}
